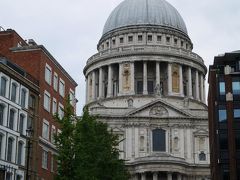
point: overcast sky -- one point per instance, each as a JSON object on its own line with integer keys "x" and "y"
{"x": 70, "y": 29}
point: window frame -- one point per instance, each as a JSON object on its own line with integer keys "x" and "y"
{"x": 45, "y": 132}
{"x": 44, "y": 159}
{"x": 154, "y": 146}
{"x": 62, "y": 91}
{"x": 47, "y": 104}
{"x": 55, "y": 81}
{"x": 48, "y": 80}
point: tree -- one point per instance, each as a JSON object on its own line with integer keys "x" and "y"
{"x": 64, "y": 142}
{"x": 87, "y": 150}
{"x": 97, "y": 157}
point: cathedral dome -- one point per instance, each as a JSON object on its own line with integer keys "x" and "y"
{"x": 144, "y": 12}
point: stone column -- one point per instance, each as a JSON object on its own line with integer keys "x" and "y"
{"x": 157, "y": 73}
{"x": 179, "y": 176}
{"x": 93, "y": 85}
{"x": 143, "y": 176}
{"x": 197, "y": 85}
{"x": 100, "y": 83}
{"x": 145, "y": 88}
{"x": 201, "y": 87}
{"x": 110, "y": 83}
{"x": 190, "y": 82}
{"x": 132, "y": 78}
{"x": 89, "y": 89}
{"x": 86, "y": 92}
{"x": 181, "y": 80}
{"x": 155, "y": 176}
{"x": 204, "y": 95}
{"x": 169, "y": 79}
{"x": 120, "y": 80}
{"x": 169, "y": 176}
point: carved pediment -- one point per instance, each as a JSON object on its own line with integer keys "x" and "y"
{"x": 159, "y": 108}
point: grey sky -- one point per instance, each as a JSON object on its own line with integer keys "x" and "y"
{"x": 70, "y": 29}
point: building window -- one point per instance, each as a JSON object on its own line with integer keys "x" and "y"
{"x": 107, "y": 44}
{"x": 32, "y": 101}
{"x": 140, "y": 37}
{"x": 23, "y": 97}
{"x": 175, "y": 41}
{"x": 149, "y": 37}
{"x": 19, "y": 177}
{"x": 139, "y": 87}
{"x": 20, "y": 152}
{"x": 168, "y": 39}
{"x": 54, "y": 106}
{"x": 11, "y": 119}
{"x": 47, "y": 101}
{"x": 181, "y": 43}
{"x": 14, "y": 92}
{"x": 8, "y": 176}
{"x": 60, "y": 111}
{"x": 222, "y": 88}
{"x": 2, "y": 107}
{"x": 236, "y": 113}
{"x": 222, "y": 115}
{"x": 159, "y": 38}
{"x": 53, "y": 132}
{"x": 159, "y": 140}
{"x": 223, "y": 141}
{"x": 62, "y": 88}
{"x": 21, "y": 123}
{"x": 121, "y": 40}
{"x": 72, "y": 97}
{"x": 3, "y": 86}
{"x": 202, "y": 156}
{"x": 236, "y": 87}
{"x": 130, "y": 38}
{"x": 44, "y": 159}
{"x": 10, "y": 149}
{"x": 150, "y": 87}
{"x": 48, "y": 74}
{"x": 114, "y": 42}
{"x": 55, "y": 81}
{"x": 1, "y": 145}
{"x": 45, "y": 130}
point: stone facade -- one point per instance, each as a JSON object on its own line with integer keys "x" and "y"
{"x": 149, "y": 86}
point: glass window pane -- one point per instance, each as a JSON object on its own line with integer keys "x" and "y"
{"x": 222, "y": 115}
{"x": 236, "y": 113}
{"x": 159, "y": 141}
{"x": 222, "y": 88}
{"x": 236, "y": 87}
{"x": 11, "y": 119}
{"x": 3, "y": 86}
{"x": 1, "y": 114}
{"x": 14, "y": 92}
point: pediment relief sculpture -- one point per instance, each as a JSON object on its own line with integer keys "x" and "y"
{"x": 158, "y": 111}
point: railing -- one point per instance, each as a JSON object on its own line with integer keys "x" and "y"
{"x": 145, "y": 49}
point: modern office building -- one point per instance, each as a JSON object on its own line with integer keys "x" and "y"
{"x": 148, "y": 85}
{"x": 16, "y": 98}
{"x": 224, "y": 116}
{"x": 55, "y": 84}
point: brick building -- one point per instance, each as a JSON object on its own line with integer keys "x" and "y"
{"x": 55, "y": 84}
{"x": 224, "y": 116}
{"x": 18, "y": 97}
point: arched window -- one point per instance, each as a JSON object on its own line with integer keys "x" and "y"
{"x": 21, "y": 123}
{"x": 1, "y": 114}
{"x": 11, "y": 119}
{"x": 10, "y": 149}
{"x": 3, "y": 86}
{"x": 159, "y": 140}
{"x": 14, "y": 92}
{"x": 23, "y": 97}
{"x": 20, "y": 152}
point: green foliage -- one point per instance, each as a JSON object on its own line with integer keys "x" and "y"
{"x": 87, "y": 150}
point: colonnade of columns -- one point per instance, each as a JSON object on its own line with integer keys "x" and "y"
{"x": 100, "y": 81}
{"x": 158, "y": 176}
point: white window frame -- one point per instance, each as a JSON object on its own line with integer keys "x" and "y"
{"x": 26, "y": 97}
{"x": 55, "y": 81}
{"x": 48, "y": 79}
{"x": 47, "y": 105}
{"x": 54, "y": 106}
{"x": 17, "y": 91}
{"x": 53, "y": 132}
{"x": 44, "y": 159}
{"x": 60, "y": 112}
{"x": 72, "y": 97}
{"x": 62, "y": 91}
{"x": 7, "y": 84}
{"x": 45, "y": 133}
